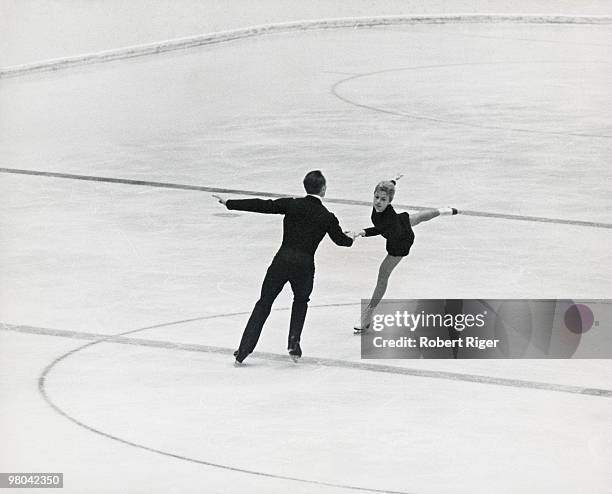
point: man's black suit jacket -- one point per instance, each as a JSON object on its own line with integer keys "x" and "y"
{"x": 305, "y": 224}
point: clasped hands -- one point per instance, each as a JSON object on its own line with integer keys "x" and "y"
{"x": 354, "y": 235}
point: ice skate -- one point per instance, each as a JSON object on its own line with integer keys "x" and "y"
{"x": 295, "y": 353}
{"x": 239, "y": 359}
{"x": 360, "y": 328}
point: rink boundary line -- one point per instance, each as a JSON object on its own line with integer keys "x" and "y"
{"x": 284, "y": 27}
{"x": 437, "y": 120}
{"x": 42, "y": 380}
{"x": 121, "y": 338}
{"x": 349, "y": 202}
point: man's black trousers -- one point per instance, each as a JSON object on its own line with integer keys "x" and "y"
{"x": 287, "y": 266}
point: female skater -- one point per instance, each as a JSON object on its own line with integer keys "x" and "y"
{"x": 397, "y": 229}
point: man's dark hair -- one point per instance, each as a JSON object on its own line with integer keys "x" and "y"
{"x": 314, "y": 182}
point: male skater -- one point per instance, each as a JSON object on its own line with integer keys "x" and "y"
{"x": 305, "y": 224}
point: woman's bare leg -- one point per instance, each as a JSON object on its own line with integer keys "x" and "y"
{"x": 385, "y": 270}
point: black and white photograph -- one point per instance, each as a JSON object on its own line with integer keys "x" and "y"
{"x": 336, "y": 246}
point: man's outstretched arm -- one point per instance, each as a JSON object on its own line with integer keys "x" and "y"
{"x": 266, "y": 206}
{"x": 337, "y": 235}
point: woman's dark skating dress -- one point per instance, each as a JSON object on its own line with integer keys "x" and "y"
{"x": 395, "y": 228}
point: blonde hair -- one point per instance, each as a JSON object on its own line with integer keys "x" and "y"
{"x": 386, "y": 186}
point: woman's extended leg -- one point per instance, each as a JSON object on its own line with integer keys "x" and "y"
{"x": 386, "y": 267}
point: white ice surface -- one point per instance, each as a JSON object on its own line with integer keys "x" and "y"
{"x": 256, "y": 115}
{"x": 35, "y": 30}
